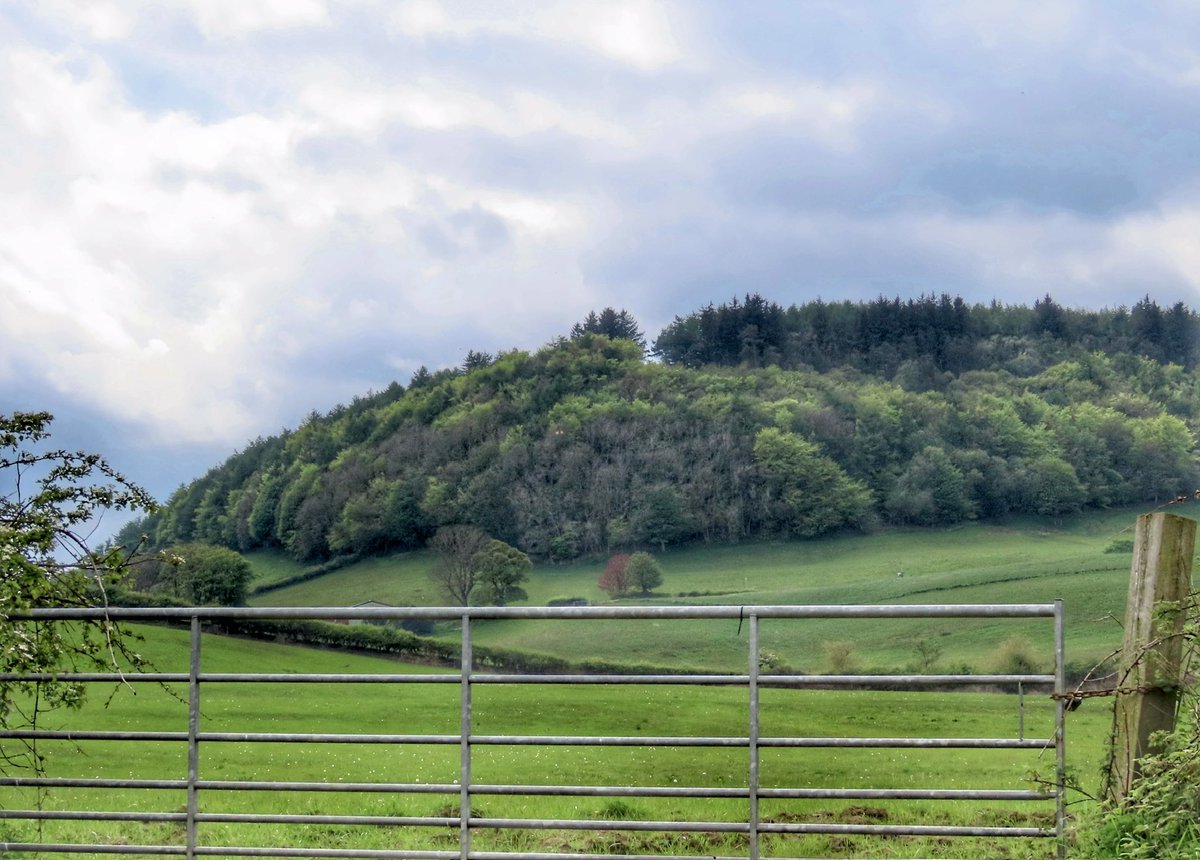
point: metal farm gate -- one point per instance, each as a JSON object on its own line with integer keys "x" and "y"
{"x": 759, "y": 825}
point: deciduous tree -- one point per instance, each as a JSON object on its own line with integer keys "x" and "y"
{"x": 47, "y": 496}
{"x": 615, "y": 578}
{"x": 456, "y": 569}
{"x": 206, "y": 575}
{"x": 502, "y": 569}
{"x": 643, "y": 572}
{"x": 809, "y": 491}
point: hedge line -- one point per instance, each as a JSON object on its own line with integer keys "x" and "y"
{"x": 309, "y": 573}
{"x": 395, "y": 641}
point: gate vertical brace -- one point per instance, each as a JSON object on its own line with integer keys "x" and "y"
{"x": 753, "y": 738}
{"x": 193, "y": 754}
{"x": 1060, "y": 737}
{"x": 464, "y": 785}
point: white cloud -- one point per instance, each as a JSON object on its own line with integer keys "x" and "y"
{"x": 1163, "y": 240}
{"x": 830, "y": 112}
{"x": 169, "y": 255}
{"x": 115, "y": 20}
{"x": 642, "y": 34}
{"x": 336, "y": 100}
{"x": 103, "y": 20}
{"x": 238, "y": 18}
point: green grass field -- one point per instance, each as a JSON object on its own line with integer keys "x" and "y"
{"x": 545, "y": 710}
{"x": 1018, "y": 561}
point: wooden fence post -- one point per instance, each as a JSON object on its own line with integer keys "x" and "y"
{"x": 1151, "y": 671}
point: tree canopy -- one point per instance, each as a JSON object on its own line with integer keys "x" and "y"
{"x": 758, "y": 422}
{"x": 618, "y": 325}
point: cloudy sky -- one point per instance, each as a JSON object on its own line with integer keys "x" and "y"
{"x": 219, "y": 215}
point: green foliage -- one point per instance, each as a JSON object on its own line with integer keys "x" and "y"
{"x": 931, "y": 491}
{"x": 764, "y": 423}
{"x": 1161, "y": 817}
{"x": 841, "y": 656}
{"x": 809, "y": 493}
{"x": 613, "y": 324}
{"x": 661, "y": 519}
{"x": 384, "y": 516}
{"x": 47, "y": 498}
{"x": 205, "y": 575}
{"x": 469, "y": 566}
{"x": 921, "y": 338}
{"x": 643, "y": 572}
{"x": 502, "y": 570}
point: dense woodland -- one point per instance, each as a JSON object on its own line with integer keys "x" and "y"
{"x": 745, "y": 421}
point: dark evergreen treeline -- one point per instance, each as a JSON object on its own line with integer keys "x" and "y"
{"x": 921, "y": 336}
{"x": 584, "y": 447}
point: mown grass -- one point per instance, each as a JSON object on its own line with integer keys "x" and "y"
{"x": 545, "y": 710}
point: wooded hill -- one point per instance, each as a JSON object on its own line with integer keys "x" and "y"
{"x": 755, "y": 422}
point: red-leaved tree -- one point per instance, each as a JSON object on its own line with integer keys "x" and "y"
{"x": 615, "y": 579}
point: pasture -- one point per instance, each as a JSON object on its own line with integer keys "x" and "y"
{"x": 543, "y": 709}
{"x": 1020, "y": 560}
{"x": 1016, "y": 561}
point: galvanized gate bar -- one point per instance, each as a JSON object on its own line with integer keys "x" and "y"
{"x": 534, "y": 790}
{"x": 754, "y": 787}
{"x": 1060, "y": 740}
{"x": 559, "y": 613}
{"x": 193, "y": 760}
{"x": 775, "y": 681}
{"x": 466, "y": 739}
{"x": 465, "y": 726}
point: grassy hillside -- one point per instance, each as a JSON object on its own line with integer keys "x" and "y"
{"x": 1016, "y": 561}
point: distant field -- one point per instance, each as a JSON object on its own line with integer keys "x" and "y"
{"x": 633, "y": 710}
{"x": 1022, "y": 560}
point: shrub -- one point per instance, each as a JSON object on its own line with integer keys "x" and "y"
{"x": 1161, "y": 817}
{"x": 1016, "y": 656}
{"x": 841, "y": 656}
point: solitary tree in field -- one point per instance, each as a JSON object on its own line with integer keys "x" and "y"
{"x": 615, "y": 579}
{"x": 502, "y": 569}
{"x": 47, "y": 498}
{"x": 456, "y": 569}
{"x": 469, "y": 563}
{"x": 644, "y": 573}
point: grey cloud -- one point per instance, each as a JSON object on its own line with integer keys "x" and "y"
{"x": 981, "y": 182}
